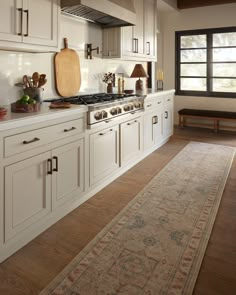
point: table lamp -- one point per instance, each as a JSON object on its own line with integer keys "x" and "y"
{"x": 139, "y": 72}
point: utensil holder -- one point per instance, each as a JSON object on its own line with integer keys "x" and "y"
{"x": 34, "y": 93}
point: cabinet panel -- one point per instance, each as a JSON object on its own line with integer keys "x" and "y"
{"x": 104, "y": 153}
{"x": 150, "y": 29}
{"x": 29, "y": 25}
{"x": 68, "y": 172}
{"x": 167, "y": 120}
{"x": 27, "y": 193}
{"x": 10, "y": 20}
{"x": 42, "y": 22}
{"x": 152, "y": 129}
{"x": 32, "y": 139}
{"x": 130, "y": 140}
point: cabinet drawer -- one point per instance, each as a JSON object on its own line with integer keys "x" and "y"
{"x": 151, "y": 104}
{"x": 168, "y": 98}
{"x": 23, "y": 142}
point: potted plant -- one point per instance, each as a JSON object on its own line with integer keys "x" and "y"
{"x": 109, "y": 79}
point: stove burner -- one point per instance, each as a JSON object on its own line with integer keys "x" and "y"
{"x": 92, "y": 98}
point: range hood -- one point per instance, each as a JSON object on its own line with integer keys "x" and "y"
{"x": 107, "y": 13}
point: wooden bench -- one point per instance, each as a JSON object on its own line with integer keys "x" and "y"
{"x": 216, "y": 116}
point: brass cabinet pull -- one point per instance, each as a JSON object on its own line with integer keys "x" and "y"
{"x": 166, "y": 115}
{"x": 21, "y": 21}
{"x": 31, "y": 141}
{"x": 49, "y": 166}
{"x": 70, "y": 129}
{"x": 56, "y": 160}
{"x": 27, "y": 22}
{"x": 149, "y": 105}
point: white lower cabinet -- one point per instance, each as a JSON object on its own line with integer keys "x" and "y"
{"x": 27, "y": 193}
{"x": 167, "y": 120}
{"x": 67, "y": 172}
{"x": 130, "y": 140}
{"x": 152, "y": 128}
{"x": 104, "y": 154}
{"x": 35, "y": 186}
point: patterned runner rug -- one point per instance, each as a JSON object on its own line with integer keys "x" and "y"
{"x": 156, "y": 244}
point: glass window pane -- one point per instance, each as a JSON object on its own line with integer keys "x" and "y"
{"x": 224, "y": 70}
{"x": 195, "y": 41}
{"x": 224, "y": 85}
{"x": 193, "y": 70}
{"x": 195, "y": 84}
{"x": 224, "y": 54}
{"x": 224, "y": 39}
{"x": 197, "y": 55}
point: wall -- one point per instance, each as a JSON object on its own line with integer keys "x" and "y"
{"x": 13, "y": 65}
{"x": 196, "y": 18}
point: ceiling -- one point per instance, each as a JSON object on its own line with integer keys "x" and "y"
{"x": 182, "y": 4}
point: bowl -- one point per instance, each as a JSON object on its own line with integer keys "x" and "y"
{"x": 3, "y": 112}
{"x": 128, "y": 91}
{"x": 25, "y": 108}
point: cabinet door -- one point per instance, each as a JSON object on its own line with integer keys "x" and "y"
{"x": 128, "y": 42}
{"x": 148, "y": 130}
{"x": 168, "y": 120}
{"x": 104, "y": 154}
{"x": 139, "y": 28}
{"x": 130, "y": 140}
{"x": 150, "y": 29}
{"x": 27, "y": 194}
{"x": 111, "y": 42}
{"x": 40, "y": 22}
{"x": 10, "y": 20}
{"x": 157, "y": 125}
{"x": 68, "y": 172}
{"x": 133, "y": 36}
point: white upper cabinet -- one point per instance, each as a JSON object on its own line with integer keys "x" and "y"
{"x": 133, "y": 42}
{"x": 150, "y": 30}
{"x": 29, "y": 25}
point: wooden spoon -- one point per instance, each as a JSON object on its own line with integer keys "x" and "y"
{"x": 35, "y": 78}
{"x": 42, "y": 80}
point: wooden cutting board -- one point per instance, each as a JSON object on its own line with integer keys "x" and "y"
{"x": 67, "y": 71}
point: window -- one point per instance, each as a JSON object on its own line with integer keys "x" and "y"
{"x": 206, "y": 62}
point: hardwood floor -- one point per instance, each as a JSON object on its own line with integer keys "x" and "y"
{"x": 30, "y": 269}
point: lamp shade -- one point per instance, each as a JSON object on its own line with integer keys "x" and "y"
{"x": 138, "y": 72}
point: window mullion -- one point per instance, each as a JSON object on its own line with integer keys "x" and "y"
{"x": 209, "y": 62}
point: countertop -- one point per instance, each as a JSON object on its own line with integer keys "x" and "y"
{"x": 13, "y": 120}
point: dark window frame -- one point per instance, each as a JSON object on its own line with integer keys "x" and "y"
{"x": 209, "y": 76}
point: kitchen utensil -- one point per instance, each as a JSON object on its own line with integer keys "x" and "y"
{"x": 35, "y": 78}
{"x": 26, "y": 81}
{"x": 42, "y": 80}
{"x": 67, "y": 71}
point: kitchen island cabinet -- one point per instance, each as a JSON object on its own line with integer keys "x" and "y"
{"x": 29, "y": 25}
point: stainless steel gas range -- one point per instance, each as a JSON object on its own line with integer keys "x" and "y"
{"x": 104, "y": 108}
